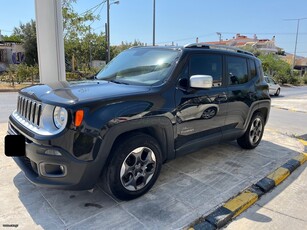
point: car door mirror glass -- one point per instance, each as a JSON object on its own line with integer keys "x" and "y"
{"x": 201, "y": 81}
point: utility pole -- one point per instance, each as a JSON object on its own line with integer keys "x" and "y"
{"x": 90, "y": 48}
{"x": 108, "y": 29}
{"x": 297, "y": 30}
{"x": 106, "y": 37}
{"x": 154, "y": 24}
{"x": 220, "y": 36}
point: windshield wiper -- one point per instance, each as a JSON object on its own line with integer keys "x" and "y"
{"x": 119, "y": 82}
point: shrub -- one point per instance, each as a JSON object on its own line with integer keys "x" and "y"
{"x": 27, "y": 73}
{"x": 294, "y": 80}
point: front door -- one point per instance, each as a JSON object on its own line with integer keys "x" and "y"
{"x": 200, "y": 113}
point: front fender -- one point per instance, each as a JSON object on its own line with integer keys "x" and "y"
{"x": 163, "y": 129}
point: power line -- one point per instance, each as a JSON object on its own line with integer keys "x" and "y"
{"x": 6, "y": 30}
{"x": 184, "y": 39}
{"x": 98, "y": 13}
{"x": 101, "y": 8}
{"x": 271, "y": 33}
{"x": 102, "y": 4}
{"x": 94, "y": 7}
{"x": 296, "y": 37}
{"x": 97, "y": 28}
{"x": 248, "y": 33}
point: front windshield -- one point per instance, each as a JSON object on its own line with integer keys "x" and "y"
{"x": 140, "y": 66}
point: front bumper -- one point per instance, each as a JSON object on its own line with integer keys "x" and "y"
{"x": 60, "y": 170}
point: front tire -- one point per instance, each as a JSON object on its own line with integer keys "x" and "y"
{"x": 254, "y": 132}
{"x": 134, "y": 167}
{"x": 277, "y": 92}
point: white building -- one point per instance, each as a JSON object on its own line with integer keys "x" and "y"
{"x": 10, "y": 53}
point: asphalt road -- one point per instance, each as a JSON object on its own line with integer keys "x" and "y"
{"x": 292, "y": 91}
{"x": 285, "y": 121}
{"x": 8, "y": 102}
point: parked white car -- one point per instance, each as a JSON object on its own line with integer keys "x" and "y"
{"x": 274, "y": 88}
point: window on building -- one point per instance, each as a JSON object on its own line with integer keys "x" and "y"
{"x": 207, "y": 64}
{"x": 237, "y": 70}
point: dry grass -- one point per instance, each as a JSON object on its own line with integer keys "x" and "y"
{"x": 8, "y": 86}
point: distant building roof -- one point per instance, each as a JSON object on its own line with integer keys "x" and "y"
{"x": 239, "y": 40}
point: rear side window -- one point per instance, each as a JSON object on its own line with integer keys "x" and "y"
{"x": 252, "y": 69}
{"x": 207, "y": 64}
{"x": 259, "y": 69}
{"x": 237, "y": 70}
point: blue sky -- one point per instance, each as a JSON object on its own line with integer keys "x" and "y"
{"x": 182, "y": 21}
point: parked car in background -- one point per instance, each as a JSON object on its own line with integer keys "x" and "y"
{"x": 274, "y": 88}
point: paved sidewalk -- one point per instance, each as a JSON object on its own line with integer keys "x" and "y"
{"x": 188, "y": 187}
{"x": 283, "y": 208}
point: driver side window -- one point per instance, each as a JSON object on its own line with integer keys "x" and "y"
{"x": 207, "y": 64}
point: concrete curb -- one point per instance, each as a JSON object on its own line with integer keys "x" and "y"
{"x": 9, "y": 90}
{"x": 235, "y": 206}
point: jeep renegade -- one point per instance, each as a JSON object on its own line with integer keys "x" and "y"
{"x": 149, "y": 105}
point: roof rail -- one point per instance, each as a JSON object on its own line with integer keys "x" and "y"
{"x": 222, "y": 47}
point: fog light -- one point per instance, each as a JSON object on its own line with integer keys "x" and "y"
{"x": 53, "y": 152}
{"x": 52, "y": 170}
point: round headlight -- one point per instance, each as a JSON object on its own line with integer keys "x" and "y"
{"x": 59, "y": 117}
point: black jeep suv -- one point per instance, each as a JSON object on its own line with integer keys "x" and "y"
{"x": 147, "y": 106}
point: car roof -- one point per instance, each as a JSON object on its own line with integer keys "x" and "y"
{"x": 201, "y": 46}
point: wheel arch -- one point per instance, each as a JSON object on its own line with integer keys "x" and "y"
{"x": 159, "y": 128}
{"x": 262, "y": 107}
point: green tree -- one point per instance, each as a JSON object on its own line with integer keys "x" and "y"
{"x": 11, "y": 70}
{"x": 279, "y": 69}
{"x": 27, "y": 34}
{"x": 78, "y": 39}
{"x": 115, "y": 50}
{"x": 11, "y": 38}
{"x": 74, "y": 24}
{"x": 252, "y": 49}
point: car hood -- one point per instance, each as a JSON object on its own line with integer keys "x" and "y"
{"x": 70, "y": 93}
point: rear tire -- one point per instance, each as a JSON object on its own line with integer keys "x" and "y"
{"x": 253, "y": 135}
{"x": 277, "y": 92}
{"x": 134, "y": 167}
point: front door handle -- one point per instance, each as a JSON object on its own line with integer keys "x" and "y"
{"x": 221, "y": 97}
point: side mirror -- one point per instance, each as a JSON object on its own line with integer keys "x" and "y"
{"x": 201, "y": 81}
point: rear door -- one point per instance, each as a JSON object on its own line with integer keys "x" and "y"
{"x": 241, "y": 74}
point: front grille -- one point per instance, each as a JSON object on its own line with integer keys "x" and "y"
{"x": 29, "y": 109}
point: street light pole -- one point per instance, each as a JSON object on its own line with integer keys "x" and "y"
{"x": 297, "y": 30}
{"x": 298, "y": 26}
{"x": 154, "y": 24}
{"x": 106, "y": 38}
{"x": 108, "y": 29}
{"x": 90, "y": 48}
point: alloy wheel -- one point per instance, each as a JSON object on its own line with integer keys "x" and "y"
{"x": 138, "y": 168}
{"x": 255, "y": 131}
